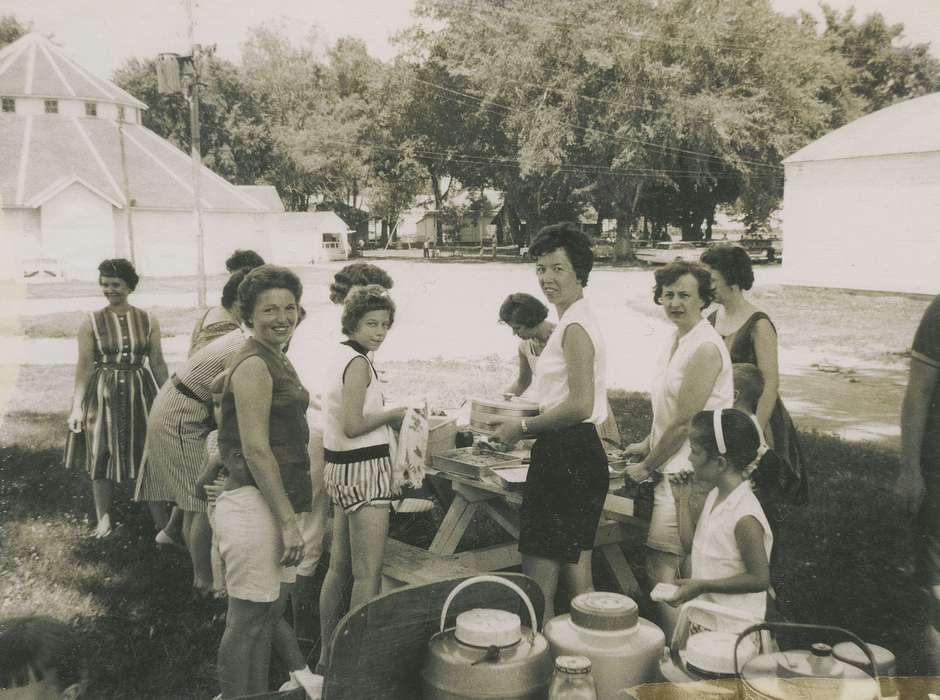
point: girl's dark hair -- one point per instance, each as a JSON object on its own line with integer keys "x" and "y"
{"x": 740, "y": 434}
{"x": 568, "y": 236}
{"x": 362, "y": 300}
{"x": 357, "y": 275}
{"x": 669, "y": 274}
{"x": 230, "y": 290}
{"x": 243, "y": 258}
{"x": 121, "y": 268}
{"x": 523, "y": 309}
{"x": 41, "y": 645}
{"x": 733, "y": 262}
{"x": 261, "y": 279}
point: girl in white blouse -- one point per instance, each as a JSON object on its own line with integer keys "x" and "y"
{"x": 732, "y": 541}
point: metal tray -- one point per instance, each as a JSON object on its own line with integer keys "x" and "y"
{"x": 462, "y": 461}
{"x": 512, "y": 477}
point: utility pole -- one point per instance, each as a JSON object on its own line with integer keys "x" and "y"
{"x": 196, "y": 154}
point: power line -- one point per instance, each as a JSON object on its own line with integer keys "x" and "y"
{"x": 627, "y": 139}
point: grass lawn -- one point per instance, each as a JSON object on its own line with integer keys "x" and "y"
{"x": 842, "y": 558}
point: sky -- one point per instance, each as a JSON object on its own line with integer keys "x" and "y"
{"x": 102, "y": 34}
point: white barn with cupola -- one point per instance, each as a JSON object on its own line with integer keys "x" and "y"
{"x": 862, "y": 203}
{"x": 81, "y": 179}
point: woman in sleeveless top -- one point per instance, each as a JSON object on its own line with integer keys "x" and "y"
{"x": 113, "y": 388}
{"x": 263, "y": 443}
{"x": 528, "y": 319}
{"x": 752, "y": 338}
{"x": 694, "y": 375}
{"x": 358, "y": 473}
{"x": 567, "y": 479}
{"x": 223, "y": 319}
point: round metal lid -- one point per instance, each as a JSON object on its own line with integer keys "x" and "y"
{"x": 711, "y": 652}
{"x": 604, "y": 611}
{"x": 573, "y": 664}
{"x": 851, "y": 653}
{"x": 485, "y": 627}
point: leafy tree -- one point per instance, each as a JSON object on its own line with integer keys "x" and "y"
{"x": 12, "y": 29}
{"x": 234, "y": 138}
{"x": 885, "y": 69}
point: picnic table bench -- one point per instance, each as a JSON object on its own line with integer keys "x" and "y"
{"x": 405, "y": 564}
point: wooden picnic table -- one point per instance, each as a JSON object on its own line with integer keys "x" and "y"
{"x": 406, "y": 564}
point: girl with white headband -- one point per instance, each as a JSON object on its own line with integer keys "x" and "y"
{"x": 732, "y": 541}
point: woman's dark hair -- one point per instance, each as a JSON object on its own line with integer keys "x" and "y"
{"x": 243, "y": 258}
{"x": 360, "y": 301}
{"x": 669, "y": 274}
{"x": 230, "y": 290}
{"x": 568, "y": 236}
{"x": 261, "y": 279}
{"x": 733, "y": 262}
{"x": 357, "y": 275}
{"x": 43, "y": 646}
{"x": 121, "y": 268}
{"x": 523, "y": 309}
{"x": 740, "y": 435}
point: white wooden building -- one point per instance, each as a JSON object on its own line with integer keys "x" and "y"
{"x": 81, "y": 179}
{"x": 862, "y": 203}
{"x": 309, "y": 237}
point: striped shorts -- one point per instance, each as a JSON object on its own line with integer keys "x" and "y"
{"x": 356, "y": 480}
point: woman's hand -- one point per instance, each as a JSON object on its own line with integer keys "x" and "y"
{"x": 638, "y": 472}
{"x": 214, "y": 489}
{"x": 508, "y": 432}
{"x": 293, "y": 543}
{"x": 76, "y": 420}
{"x": 688, "y": 589}
{"x": 636, "y": 449}
{"x": 398, "y": 415}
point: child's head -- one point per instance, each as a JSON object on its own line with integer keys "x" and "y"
{"x": 368, "y": 313}
{"x": 722, "y": 439}
{"x": 42, "y": 657}
{"x": 216, "y": 388}
{"x": 748, "y": 385}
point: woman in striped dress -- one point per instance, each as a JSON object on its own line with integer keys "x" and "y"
{"x": 113, "y": 388}
{"x": 176, "y": 443}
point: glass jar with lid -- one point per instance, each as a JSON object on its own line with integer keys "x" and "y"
{"x": 572, "y": 679}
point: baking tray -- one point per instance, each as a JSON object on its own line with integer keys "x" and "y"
{"x": 462, "y": 461}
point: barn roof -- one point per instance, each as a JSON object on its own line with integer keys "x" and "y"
{"x": 32, "y": 66}
{"x": 38, "y": 153}
{"x": 264, "y": 194}
{"x": 906, "y": 127}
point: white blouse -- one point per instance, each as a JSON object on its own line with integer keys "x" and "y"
{"x": 668, "y": 380}
{"x": 715, "y": 552}
{"x": 550, "y": 383}
{"x": 334, "y": 436}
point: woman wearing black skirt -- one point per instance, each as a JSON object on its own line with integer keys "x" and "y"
{"x": 567, "y": 480}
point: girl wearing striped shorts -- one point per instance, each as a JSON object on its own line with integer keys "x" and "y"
{"x": 358, "y": 471}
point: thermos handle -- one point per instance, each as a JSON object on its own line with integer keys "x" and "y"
{"x": 492, "y": 579}
{"x": 778, "y": 626}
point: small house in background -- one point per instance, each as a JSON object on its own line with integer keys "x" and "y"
{"x": 310, "y": 237}
{"x": 81, "y": 179}
{"x": 862, "y": 203}
{"x": 468, "y": 218}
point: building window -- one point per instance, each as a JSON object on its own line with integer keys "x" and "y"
{"x": 91, "y": 109}
{"x": 52, "y": 106}
{"x": 8, "y": 104}
{"x": 120, "y": 114}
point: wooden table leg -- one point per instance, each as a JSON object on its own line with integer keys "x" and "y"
{"x": 507, "y": 518}
{"x": 620, "y": 568}
{"x": 454, "y": 525}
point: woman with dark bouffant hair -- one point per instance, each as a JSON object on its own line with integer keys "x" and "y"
{"x": 114, "y": 388}
{"x": 568, "y": 478}
{"x": 752, "y": 339}
{"x": 694, "y": 374}
{"x": 223, "y": 319}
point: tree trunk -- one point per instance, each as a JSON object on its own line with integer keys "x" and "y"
{"x": 438, "y": 205}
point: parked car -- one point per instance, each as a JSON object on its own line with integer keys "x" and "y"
{"x": 763, "y": 249}
{"x": 663, "y": 252}
{"x": 603, "y": 249}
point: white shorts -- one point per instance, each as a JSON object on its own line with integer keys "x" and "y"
{"x": 664, "y": 524}
{"x": 250, "y": 546}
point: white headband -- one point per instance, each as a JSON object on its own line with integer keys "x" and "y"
{"x": 719, "y": 433}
